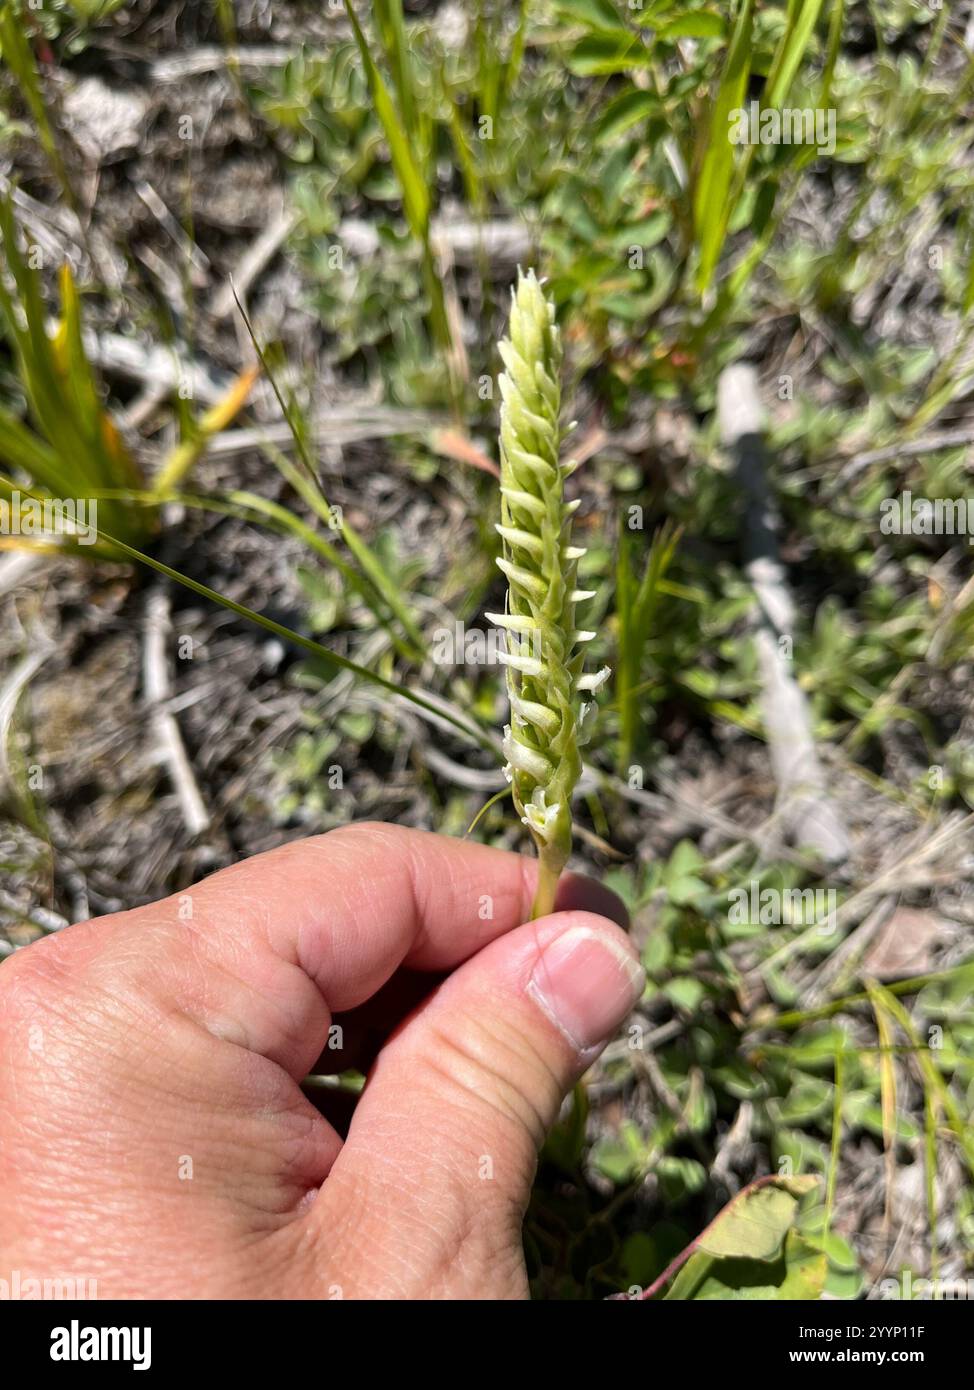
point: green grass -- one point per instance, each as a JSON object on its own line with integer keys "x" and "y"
{"x": 668, "y": 252}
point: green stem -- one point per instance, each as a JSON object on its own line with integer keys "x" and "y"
{"x": 550, "y": 866}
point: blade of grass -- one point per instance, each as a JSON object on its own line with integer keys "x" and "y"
{"x": 218, "y": 417}
{"x": 887, "y": 1093}
{"x": 78, "y": 448}
{"x": 330, "y": 658}
{"x": 511, "y": 70}
{"x": 836, "y": 1140}
{"x": 931, "y": 1075}
{"x": 310, "y": 488}
{"x": 23, "y": 537}
{"x": 635, "y": 610}
{"x": 794, "y": 1018}
{"x": 19, "y": 58}
{"x": 21, "y": 448}
{"x": 802, "y": 17}
{"x": 931, "y": 1112}
{"x": 836, "y": 23}
{"x": 392, "y": 32}
{"x": 417, "y": 200}
{"x": 498, "y": 796}
{"x": 711, "y": 205}
{"x": 251, "y": 507}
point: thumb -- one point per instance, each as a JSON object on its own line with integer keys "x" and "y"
{"x": 427, "y": 1196}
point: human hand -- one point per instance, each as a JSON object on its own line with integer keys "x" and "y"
{"x": 153, "y": 1132}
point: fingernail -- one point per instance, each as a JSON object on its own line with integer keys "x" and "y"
{"x": 587, "y": 984}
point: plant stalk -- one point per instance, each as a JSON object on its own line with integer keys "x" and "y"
{"x": 550, "y": 864}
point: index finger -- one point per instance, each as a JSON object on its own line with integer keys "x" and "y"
{"x": 263, "y": 953}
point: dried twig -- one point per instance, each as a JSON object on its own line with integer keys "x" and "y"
{"x": 155, "y": 365}
{"x": 175, "y": 67}
{"x": 155, "y": 676}
{"x": 198, "y": 259}
{"x": 500, "y": 241}
{"x": 340, "y": 424}
{"x": 907, "y": 448}
{"x": 40, "y": 648}
{"x": 16, "y": 567}
{"x": 253, "y": 261}
{"x": 804, "y": 802}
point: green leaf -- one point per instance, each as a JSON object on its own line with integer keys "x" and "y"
{"x": 867, "y": 1114}
{"x": 601, "y": 54}
{"x": 704, "y": 25}
{"x": 625, "y": 111}
{"x": 565, "y": 1144}
{"x": 753, "y": 1225}
{"x": 798, "y": 1273}
{"x": 416, "y": 199}
{"x": 621, "y": 1156}
{"x": 802, "y": 19}
{"x": 808, "y": 1098}
{"x": 711, "y": 204}
{"x": 680, "y": 1177}
{"x": 685, "y": 992}
{"x": 750, "y": 1249}
{"x": 597, "y": 14}
{"x": 657, "y": 952}
{"x": 331, "y": 659}
{"x": 680, "y": 879}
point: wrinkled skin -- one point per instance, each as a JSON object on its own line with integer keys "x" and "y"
{"x": 153, "y": 1132}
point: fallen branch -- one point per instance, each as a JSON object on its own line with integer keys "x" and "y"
{"x": 39, "y": 649}
{"x": 805, "y": 806}
{"x": 500, "y": 241}
{"x": 253, "y": 261}
{"x": 16, "y": 567}
{"x": 908, "y": 448}
{"x": 156, "y": 366}
{"x": 155, "y": 679}
{"x": 344, "y": 424}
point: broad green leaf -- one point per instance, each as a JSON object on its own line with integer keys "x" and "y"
{"x": 703, "y": 25}
{"x": 680, "y": 877}
{"x": 597, "y": 14}
{"x": 753, "y": 1225}
{"x": 750, "y": 1249}
{"x": 601, "y": 54}
{"x": 620, "y": 1156}
{"x": 807, "y": 1099}
{"x": 685, "y": 992}
{"x": 799, "y": 1272}
{"x": 625, "y": 111}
